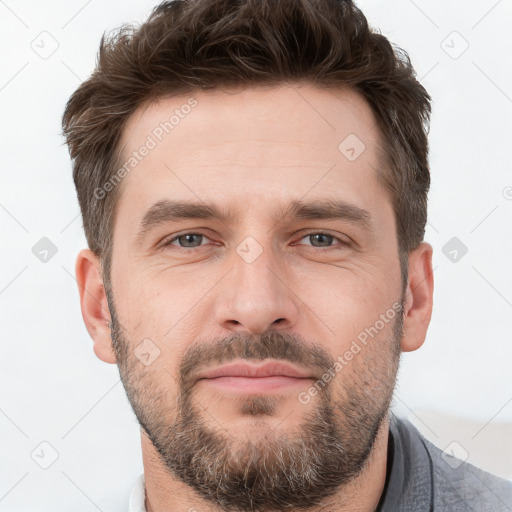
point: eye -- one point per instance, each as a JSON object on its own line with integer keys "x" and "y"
{"x": 186, "y": 240}
{"x": 325, "y": 240}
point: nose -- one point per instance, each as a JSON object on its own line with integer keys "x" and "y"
{"x": 256, "y": 295}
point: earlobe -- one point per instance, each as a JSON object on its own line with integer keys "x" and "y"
{"x": 94, "y": 305}
{"x": 420, "y": 289}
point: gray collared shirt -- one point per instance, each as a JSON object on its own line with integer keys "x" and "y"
{"x": 422, "y": 478}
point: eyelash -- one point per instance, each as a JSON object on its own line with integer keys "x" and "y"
{"x": 343, "y": 243}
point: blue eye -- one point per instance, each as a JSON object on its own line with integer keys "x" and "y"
{"x": 325, "y": 238}
{"x": 187, "y": 238}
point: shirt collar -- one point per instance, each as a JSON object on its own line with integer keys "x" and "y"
{"x": 410, "y": 482}
{"x": 137, "y": 501}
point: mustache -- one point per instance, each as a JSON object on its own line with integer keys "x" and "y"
{"x": 286, "y": 347}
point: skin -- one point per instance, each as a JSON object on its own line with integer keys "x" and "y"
{"x": 255, "y": 150}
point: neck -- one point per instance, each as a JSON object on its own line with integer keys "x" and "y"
{"x": 164, "y": 492}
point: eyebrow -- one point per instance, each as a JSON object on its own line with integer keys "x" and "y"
{"x": 167, "y": 210}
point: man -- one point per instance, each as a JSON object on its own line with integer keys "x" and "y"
{"x": 253, "y": 180}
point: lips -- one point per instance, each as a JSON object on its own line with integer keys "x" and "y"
{"x": 269, "y": 369}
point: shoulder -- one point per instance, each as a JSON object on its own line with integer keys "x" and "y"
{"x": 461, "y": 486}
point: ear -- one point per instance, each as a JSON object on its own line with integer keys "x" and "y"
{"x": 94, "y": 305}
{"x": 419, "y": 295}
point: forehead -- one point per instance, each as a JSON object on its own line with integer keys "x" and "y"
{"x": 247, "y": 147}
{"x": 309, "y": 115}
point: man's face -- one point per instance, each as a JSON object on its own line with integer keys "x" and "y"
{"x": 265, "y": 283}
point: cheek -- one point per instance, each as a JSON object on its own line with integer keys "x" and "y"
{"x": 359, "y": 317}
{"x": 149, "y": 300}
{"x": 349, "y": 299}
{"x": 167, "y": 308}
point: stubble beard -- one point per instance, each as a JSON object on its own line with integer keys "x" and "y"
{"x": 272, "y": 469}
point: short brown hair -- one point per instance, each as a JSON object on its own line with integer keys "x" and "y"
{"x": 188, "y": 45}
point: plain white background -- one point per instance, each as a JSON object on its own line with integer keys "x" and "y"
{"x": 54, "y": 390}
